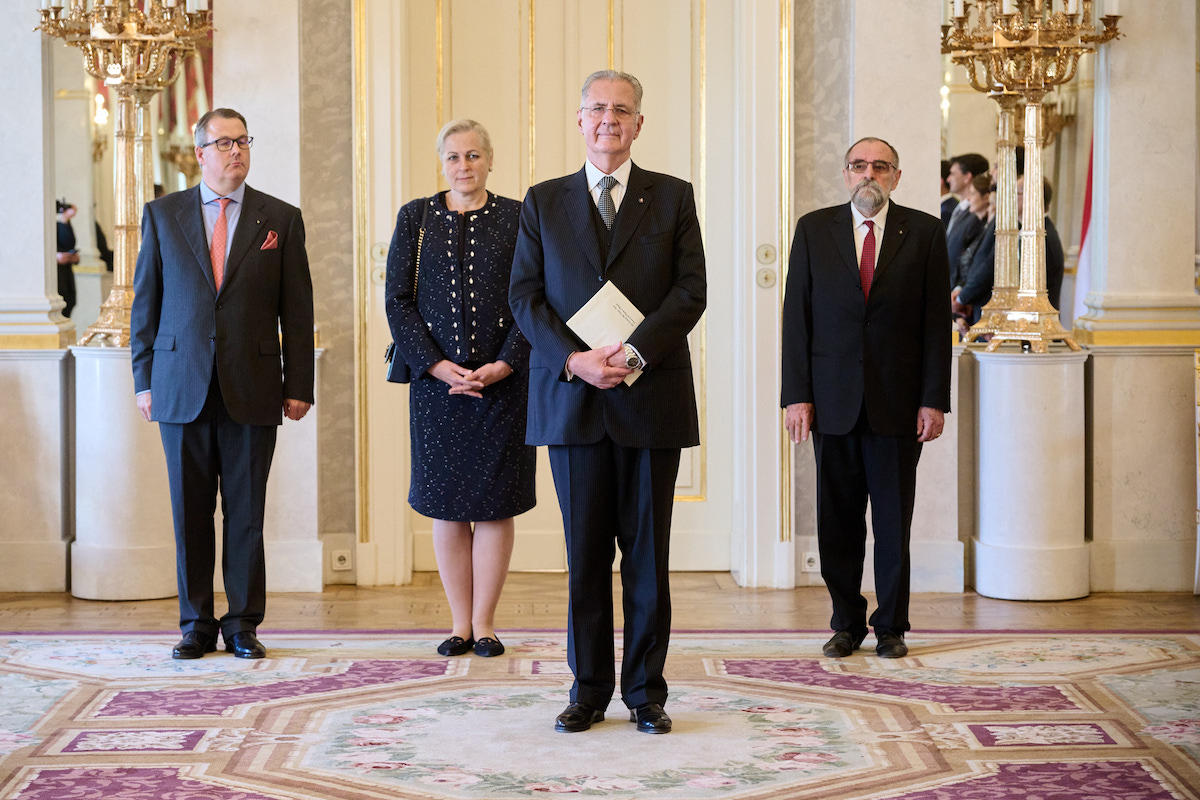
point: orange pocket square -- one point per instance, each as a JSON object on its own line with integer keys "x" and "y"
{"x": 272, "y": 241}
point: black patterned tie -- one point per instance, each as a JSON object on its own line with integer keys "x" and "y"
{"x": 608, "y": 211}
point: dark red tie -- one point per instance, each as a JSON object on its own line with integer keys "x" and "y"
{"x": 866, "y": 265}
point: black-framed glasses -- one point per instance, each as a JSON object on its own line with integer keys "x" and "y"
{"x": 622, "y": 113}
{"x": 225, "y": 144}
{"x": 859, "y": 167}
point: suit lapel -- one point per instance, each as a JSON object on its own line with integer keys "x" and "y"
{"x": 190, "y": 217}
{"x": 893, "y": 237}
{"x": 578, "y": 203}
{"x": 633, "y": 207}
{"x": 843, "y": 235}
{"x": 249, "y": 223}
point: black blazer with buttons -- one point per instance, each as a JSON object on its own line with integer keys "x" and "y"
{"x": 892, "y": 352}
{"x": 656, "y": 258}
{"x": 460, "y": 311}
{"x": 257, "y": 332}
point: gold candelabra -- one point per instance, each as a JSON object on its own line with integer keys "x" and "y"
{"x": 136, "y": 47}
{"x": 1017, "y": 51}
{"x": 182, "y": 155}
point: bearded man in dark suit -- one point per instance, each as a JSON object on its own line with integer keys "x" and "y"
{"x": 614, "y": 447}
{"x": 866, "y": 369}
{"x": 222, "y": 345}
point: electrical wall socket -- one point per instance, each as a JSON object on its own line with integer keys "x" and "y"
{"x": 811, "y": 563}
{"x": 341, "y": 560}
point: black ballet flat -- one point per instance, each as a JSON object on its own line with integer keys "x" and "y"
{"x": 488, "y": 647}
{"x": 455, "y": 646}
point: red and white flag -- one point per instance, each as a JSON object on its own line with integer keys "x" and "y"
{"x": 1083, "y": 267}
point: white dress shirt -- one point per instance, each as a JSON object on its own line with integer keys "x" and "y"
{"x": 860, "y": 230}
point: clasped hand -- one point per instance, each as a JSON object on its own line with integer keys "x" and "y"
{"x": 603, "y": 367}
{"x": 470, "y": 382}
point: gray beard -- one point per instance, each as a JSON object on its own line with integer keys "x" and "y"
{"x": 868, "y": 197}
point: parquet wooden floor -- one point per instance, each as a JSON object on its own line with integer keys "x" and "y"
{"x": 701, "y": 601}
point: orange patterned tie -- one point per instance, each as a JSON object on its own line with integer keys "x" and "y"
{"x": 217, "y": 250}
{"x": 866, "y": 266}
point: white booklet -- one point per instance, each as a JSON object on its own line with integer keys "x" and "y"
{"x": 609, "y": 317}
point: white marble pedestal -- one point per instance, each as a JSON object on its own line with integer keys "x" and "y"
{"x": 124, "y": 539}
{"x": 1029, "y": 541}
{"x": 35, "y": 474}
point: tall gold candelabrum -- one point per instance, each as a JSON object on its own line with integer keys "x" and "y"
{"x": 136, "y": 47}
{"x": 1022, "y": 49}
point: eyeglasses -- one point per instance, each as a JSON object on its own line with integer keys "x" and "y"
{"x": 859, "y": 167}
{"x": 225, "y": 144}
{"x": 622, "y": 113}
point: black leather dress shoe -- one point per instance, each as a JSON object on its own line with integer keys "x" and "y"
{"x": 577, "y": 717}
{"x": 455, "y": 646}
{"x": 890, "y": 645}
{"x": 650, "y": 718}
{"x": 488, "y": 647}
{"x": 194, "y": 644}
{"x": 245, "y": 644}
{"x": 842, "y": 644}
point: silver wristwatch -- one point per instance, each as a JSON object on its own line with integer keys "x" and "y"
{"x": 632, "y": 359}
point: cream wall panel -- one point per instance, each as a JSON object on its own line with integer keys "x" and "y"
{"x": 487, "y": 79}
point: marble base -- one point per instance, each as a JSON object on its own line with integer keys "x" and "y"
{"x": 1029, "y": 542}
{"x": 124, "y": 538}
{"x": 1143, "y": 475}
{"x": 35, "y": 474}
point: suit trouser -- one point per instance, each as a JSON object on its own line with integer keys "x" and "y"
{"x": 210, "y": 453}
{"x": 850, "y": 468}
{"x": 617, "y": 496}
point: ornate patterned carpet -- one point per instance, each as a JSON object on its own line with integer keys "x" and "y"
{"x": 757, "y": 715}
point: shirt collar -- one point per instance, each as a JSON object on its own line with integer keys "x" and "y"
{"x": 879, "y": 219}
{"x": 621, "y": 173}
{"x": 207, "y": 195}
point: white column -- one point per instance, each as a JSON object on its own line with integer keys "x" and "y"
{"x": 1143, "y": 234}
{"x": 35, "y": 475}
{"x": 1029, "y": 542}
{"x": 1143, "y": 317}
{"x": 35, "y": 472}
{"x": 29, "y": 301}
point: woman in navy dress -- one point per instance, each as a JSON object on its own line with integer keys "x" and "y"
{"x": 471, "y": 469}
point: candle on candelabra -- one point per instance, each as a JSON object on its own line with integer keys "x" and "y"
{"x": 958, "y": 8}
{"x": 1008, "y": 7}
{"x": 1111, "y": 8}
{"x": 1072, "y": 7}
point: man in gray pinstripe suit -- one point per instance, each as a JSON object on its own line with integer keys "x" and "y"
{"x": 614, "y": 448}
{"x": 222, "y": 346}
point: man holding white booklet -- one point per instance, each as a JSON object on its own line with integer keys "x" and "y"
{"x": 607, "y": 282}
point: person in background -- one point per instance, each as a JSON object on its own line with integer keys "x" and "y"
{"x": 977, "y": 264}
{"x": 948, "y": 199}
{"x": 471, "y": 469}
{"x": 964, "y": 226}
{"x": 67, "y": 256}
